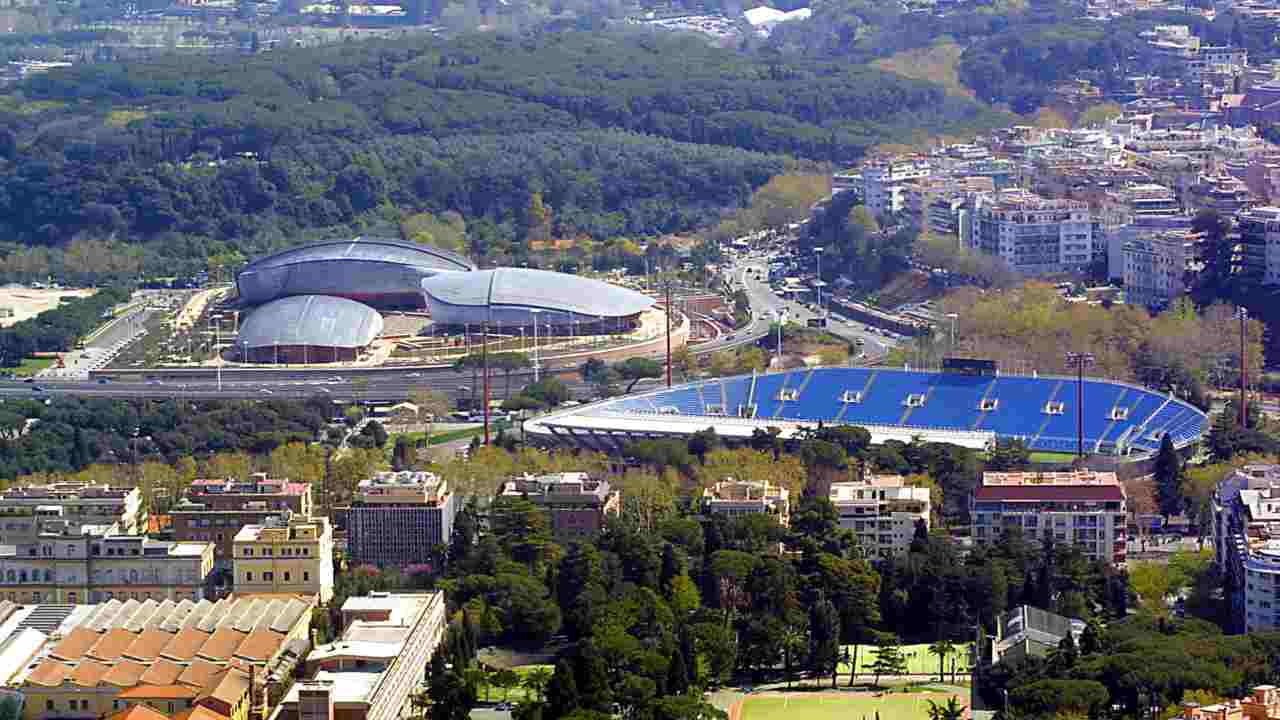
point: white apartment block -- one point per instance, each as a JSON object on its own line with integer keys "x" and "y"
{"x": 1260, "y": 243}
{"x": 1032, "y": 234}
{"x": 735, "y": 498}
{"x": 1155, "y": 267}
{"x": 1246, "y": 546}
{"x": 882, "y": 512}
{"x": 883, "y": 183}
{"x": 1085, "y": 508}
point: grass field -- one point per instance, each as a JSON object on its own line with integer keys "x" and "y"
{"x": 938, "y": 63}
{"x": 31, "y": 366}
{"x": 841, "y": 706}
{"x": 1054, "y": 458}
{"x": 919, "y": 661}
{"x": 493, "y": 693}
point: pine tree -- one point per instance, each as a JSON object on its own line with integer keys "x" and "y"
{"x": 562, "y": 691}
{"x": 889, "y": 660}
{"x": 1168, "y": 478}
{"x": 1091, "y": 638}
{"x": 677, "y": 674}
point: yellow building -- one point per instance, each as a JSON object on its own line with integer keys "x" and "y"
{"x": 286, "y": 554}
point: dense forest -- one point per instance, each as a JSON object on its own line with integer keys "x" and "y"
{"x": 596, "y": 135}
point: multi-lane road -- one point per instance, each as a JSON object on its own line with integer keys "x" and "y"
{"x": 392, "y": 384}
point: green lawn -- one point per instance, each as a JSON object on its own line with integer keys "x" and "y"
{"x": 919, "y": 661}
{"x": 494, "y": 693}
{"x": 31, "y": 366}
{"x": 841, "y": 706}
{"x": 1054, "y": 458}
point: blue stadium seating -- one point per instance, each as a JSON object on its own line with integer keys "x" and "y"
{"x": 951, "y": 402}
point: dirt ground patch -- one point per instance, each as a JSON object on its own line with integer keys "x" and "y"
{"x": 18, "y": 303}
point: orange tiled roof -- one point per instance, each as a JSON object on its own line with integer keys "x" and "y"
{"x": 125, "y": 674}
{"x": 161, "y": 672}
{"x": 260, "y": 645}
{"x": 185, "y": 644}
{"x": 222, "y": 644}
{"x": 88, "y": 673}
{"x": 75, "y": 644}
{"x": 49, "y": 673}
{"x": 200, "y": 712}
{"x": 112, "y": 644}
{"x": 147, "y": 645}
{"x": 200, "y": 673}
{"x": 160, "y": 692}
{"x": 138, "y": 712}
{"x": 231, "y": 687}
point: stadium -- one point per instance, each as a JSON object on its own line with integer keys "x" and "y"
{"x": 519, "y": 297}
{"x": 969, "y": 410}
{"x": 308, "y": 329}
{"x": 381, "y": 273}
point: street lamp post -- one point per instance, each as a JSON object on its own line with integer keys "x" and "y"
{"x": 819, "y": 252}
{"x": 953, "y": 317}
{"x": 534, "y": 313}
{"x": 1079, "y": 360}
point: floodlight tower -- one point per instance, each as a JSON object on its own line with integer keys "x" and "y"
{"x": 1079, "y": 360}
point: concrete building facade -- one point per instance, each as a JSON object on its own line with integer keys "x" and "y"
{"x": 577, "y": 504}
{"x": 1033, "y": 235}
{"x": 883, "y": 512}
{"x": 398, "y": 518}
{"x": 1086, "y": 508}
{"x": 28, "y": 511}
{"x": 215, "y": 509}
{"x": 286, "y": 554}
{"x": 1155, "y": 267}
{"x": 736, "y": 498}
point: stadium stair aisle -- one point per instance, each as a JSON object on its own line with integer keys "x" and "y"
{"x": 866, "y": 388}
{"x": 1047, "y": 418}
{"x": 986, "y": 394}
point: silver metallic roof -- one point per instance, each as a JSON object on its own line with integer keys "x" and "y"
{"x": 523, "y": 287}
{"x": 320, "y": 320}
{"x": 367, "y": 249}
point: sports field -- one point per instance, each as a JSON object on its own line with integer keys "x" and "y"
{"x": 919, "y": 661}
{"x": 841, "y": 706}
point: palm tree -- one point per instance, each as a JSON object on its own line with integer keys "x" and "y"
{"x": 536, "y": 680}
{"x": 950, "y": 711}
{"x": 942, "y": 648}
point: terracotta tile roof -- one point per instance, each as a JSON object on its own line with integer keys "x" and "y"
{"x": 185, "y": 644}
{"x": 222, "y": 644}
{"x": 88, "y": 673}
{"x": 231, "y": 687}
{"x": 148, "y": 644}
{"x": 159, "y": 692}
{"x": 1049, "y": 493}
{"x": 125, "y": 674}
{"x": 50, "y": 673}
{"x": 260, "y": 645}
{"x": 201, "y": 712}
{"x": 200, "y": 673}
{"x": 161, "y": 672}
{"x": 112, "y": 644}
{"x": 183, "y": 714}
{"x": 75, "y": 644}
{"x": 138, "y": 712}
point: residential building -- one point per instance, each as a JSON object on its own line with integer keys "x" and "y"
{"x": 577, "y": 504}
{"x": 1261, "y": 704}
{"x": 1246, "y": 545}
{"x": 1118, "y": 236}
{"x": 202, "y": 659}
{"x": 398, "y": 518}
{"x": 1083, "y": 507}
{"x": 884, "y": 183}
{"x": 26, "y": 511}
{"x": 1031, "y": 234}
{"x": 736, "y": 498}
{"x": 883, "y": 512}
{"x": 1220, "y": 192}
{"x": 286, "y": 554}
{"x": 1027, "y": 631}
{"x": 1259, "y": 250}
{"x": 92, "y": 563}
{"x": 214, "y": 510}
{"x": 1156, "y": 265}
{"x": 371, "y": 671}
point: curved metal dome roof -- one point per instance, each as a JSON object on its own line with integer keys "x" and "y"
{"x": 539, "y": 289}
{"x": 368, "y": 250}
{"x": 316, "y": 320}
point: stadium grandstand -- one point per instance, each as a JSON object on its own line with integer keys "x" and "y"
{"x": 378, "y": 272}
{"x": 971, "y": 410}
{"x": 308, "y": 328}
{"x": 515, "y": 296}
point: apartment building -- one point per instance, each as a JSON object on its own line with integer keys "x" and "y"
{"x": 1155, "y": 266}
{"x": 884, "y": 183}
{"x": 93, "y": 563}
{"x": 577, "y": 504}
{"x": 26, "y": 511}
{"x": 215, "y": 509}
{"x": 285, "y": 554}
{"x": 1263, "y": 703}
{"x": 1083, "y": 507}
{"x": 1224, "y": 194}
{"x": 373, "y": 669}
{"x": 1259, "y": 255}
{"x": 1246, "y": 545}
{"x": 883, "y": 512}
{"x": 738, "y": 497}
{"x": 397, "y": 518}
{"x": 1032, "y": 234}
